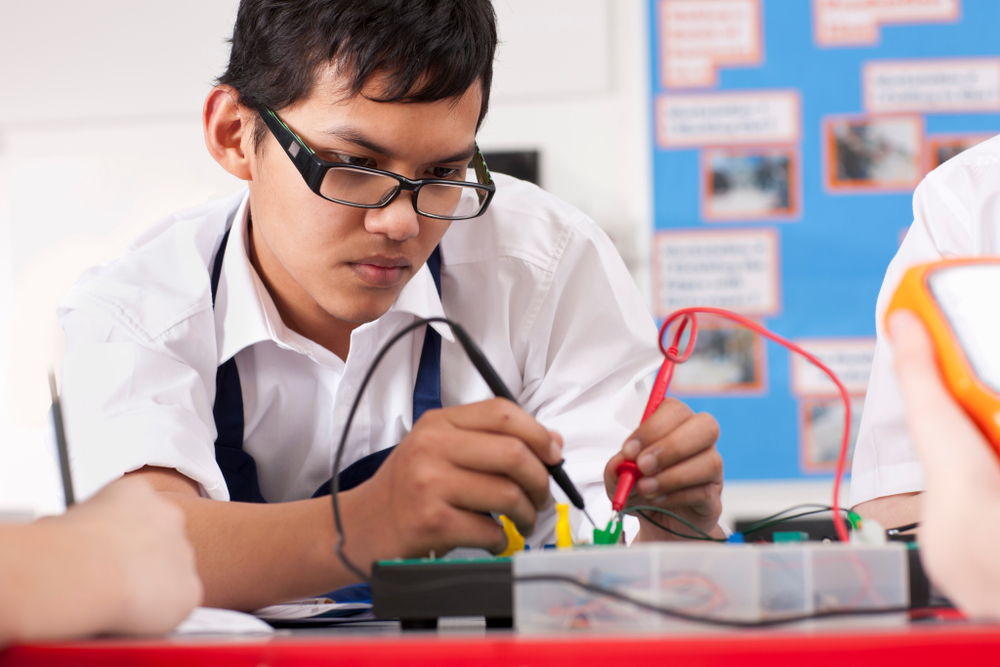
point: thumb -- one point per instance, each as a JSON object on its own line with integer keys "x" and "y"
{"x": 936, "y": 423}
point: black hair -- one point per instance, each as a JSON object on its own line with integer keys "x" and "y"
{"x": 422, "y": 50}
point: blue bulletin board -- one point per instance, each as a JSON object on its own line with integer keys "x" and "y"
{"x": 788, "y": 136}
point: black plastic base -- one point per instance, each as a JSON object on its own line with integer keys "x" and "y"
{"x": 422, "y": 591}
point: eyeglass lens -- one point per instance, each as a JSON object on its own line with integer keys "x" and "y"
{"x": 353, "y": 186}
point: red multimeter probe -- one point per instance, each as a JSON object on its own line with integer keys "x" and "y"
{"x": 628, "y": 471}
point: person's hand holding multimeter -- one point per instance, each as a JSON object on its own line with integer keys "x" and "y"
{"x": 959, "y": 303}
{"x": 954, "y": 355}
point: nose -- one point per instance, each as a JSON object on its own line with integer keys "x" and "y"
{"x": 397, "y": 221}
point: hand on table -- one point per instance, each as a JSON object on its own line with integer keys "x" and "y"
{"x": 682, "y": 471}
{"x": 455, "y": 463}
{"x": 117, "y": 563}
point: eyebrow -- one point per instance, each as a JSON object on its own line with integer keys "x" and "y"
{"x": 353, "y": 136}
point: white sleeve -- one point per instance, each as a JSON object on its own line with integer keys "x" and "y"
{"x": 885, "y": 462}
{"x": 593, "y": 346}
{"x": 128, "y": 404}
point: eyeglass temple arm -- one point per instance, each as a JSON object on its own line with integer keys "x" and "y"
{"x": 301, "y": 155}
{"x": 482, "y": 171}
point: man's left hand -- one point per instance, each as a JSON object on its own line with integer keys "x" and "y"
{"x": 681, "y": 471}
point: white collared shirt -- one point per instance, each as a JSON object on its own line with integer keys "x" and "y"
{"x": 956, "y": 213}
{"x": 535, "y": 282}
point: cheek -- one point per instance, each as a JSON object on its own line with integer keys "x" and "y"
{"x": 297, "y": 224}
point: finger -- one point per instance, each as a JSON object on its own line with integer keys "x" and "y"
{"x": 932, "y": 415}
{"x": 671, "y": 414}
{"x": 691, "y": 437}
{"x": 611, "y": 471}
{"x": 700, "y": 469}
{"x": 479, "y": 492}
{"x": 501, "y": 455}
{"x": 499, "y": 415}
{"x": 703, "y": 499}
{"x": 462, "y": 528}
{"x": 916, "y": 363}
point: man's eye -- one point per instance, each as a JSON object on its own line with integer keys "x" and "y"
{"x": 353, "y": 160}
{"x": 449, "y": 173}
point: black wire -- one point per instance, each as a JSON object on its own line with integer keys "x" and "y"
{"x": 902, "y": 529}
{"x": 757, "y": 527}
{"x": 334, "y": 479}
{"x": 763, "y": 524}
{"x": 820, "y": 508}
{"x": 674, "y": 532}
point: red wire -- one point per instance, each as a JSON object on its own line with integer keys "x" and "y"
{"x": 673, "y": 356}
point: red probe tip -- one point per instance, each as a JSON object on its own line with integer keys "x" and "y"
{"x": 628, "y": 473}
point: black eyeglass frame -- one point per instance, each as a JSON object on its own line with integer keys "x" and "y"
{"x": 314, "y": 169}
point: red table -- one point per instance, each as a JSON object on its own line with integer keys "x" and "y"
{"x": 946, "y": 645}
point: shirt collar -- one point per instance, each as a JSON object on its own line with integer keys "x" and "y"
{"x": 245, "y": 313}
{"x": 420, "y": 298}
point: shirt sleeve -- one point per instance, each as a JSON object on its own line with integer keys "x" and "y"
{"x": 593, "y": 347}
{"x": 130, "y": 403}
{"x": 885, "y": 462}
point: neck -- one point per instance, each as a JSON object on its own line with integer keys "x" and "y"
{"x": 298, "y": 311}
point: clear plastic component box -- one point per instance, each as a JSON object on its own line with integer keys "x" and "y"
{"x": 726, "y": 582}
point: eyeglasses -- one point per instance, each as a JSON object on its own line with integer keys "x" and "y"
{"x": 364, "y": 187}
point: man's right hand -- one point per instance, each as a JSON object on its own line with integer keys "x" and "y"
{"x": 427, "y": 495}
{"x": 455, "y": 463}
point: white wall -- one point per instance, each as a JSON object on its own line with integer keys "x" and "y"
{"x": 100, "y": 136}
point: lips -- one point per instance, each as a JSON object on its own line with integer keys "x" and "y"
{"x": 380, "y": 271}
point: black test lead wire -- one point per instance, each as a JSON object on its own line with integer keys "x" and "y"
{"x": 495, "y": 384}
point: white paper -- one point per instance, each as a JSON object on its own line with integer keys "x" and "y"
{"x": 312, "y": 608}
{"x": 210, "y": 621}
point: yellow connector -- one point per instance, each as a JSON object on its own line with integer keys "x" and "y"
{"x": 564, "y": 532}
{"x": 514, "y": 540}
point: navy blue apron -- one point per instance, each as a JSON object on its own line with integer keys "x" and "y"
{"x": 238, "y": 466}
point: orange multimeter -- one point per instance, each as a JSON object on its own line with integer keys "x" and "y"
{"x": 959, "y": 303}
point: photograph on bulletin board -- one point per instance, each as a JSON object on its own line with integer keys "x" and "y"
{"x": 942, "y": 148}
{"x": 750, "y": 184}
{"x": 727, "y": 359}
{"x": 874, "y": 153}
{"x": 822, "y": 432}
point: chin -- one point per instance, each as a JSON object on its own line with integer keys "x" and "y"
{"x": 360, "y": 314}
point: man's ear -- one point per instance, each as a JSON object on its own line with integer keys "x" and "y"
{"x": 228, "y": 131}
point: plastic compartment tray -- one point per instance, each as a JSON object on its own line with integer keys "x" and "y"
{"x": 731, "y": 582}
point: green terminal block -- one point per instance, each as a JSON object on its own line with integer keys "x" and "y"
{"x": 790, "y": 536}
{"x": 609, "y": 535}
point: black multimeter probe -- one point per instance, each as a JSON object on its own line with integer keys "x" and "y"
{"x": 497, "y": 386}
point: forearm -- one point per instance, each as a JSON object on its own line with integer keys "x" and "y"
{"x": 250, "y": 556}
{"x": 892, "y": 511}
{"x": 55, "y": 582}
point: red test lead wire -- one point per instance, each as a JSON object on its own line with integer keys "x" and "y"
{"x": 628, "y": 472}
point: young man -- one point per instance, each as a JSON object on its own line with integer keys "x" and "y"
{"x": 250, "y": 323}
